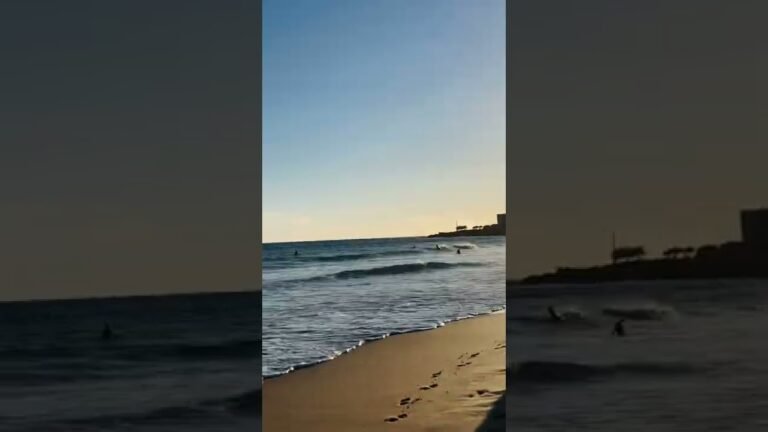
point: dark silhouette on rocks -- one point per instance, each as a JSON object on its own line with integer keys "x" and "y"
{"x": 736, "y": 259}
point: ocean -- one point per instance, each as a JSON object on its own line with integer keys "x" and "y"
{"x": 182, "y": 362}
{"x": 336, "y": 295}
{"x": 693, "y": 358}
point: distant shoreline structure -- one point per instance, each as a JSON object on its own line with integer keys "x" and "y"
{"x": 497, "y": 229}
{"x": 747, "y": 258}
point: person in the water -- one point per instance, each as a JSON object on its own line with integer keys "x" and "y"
{"x": 553, "y": 314}
{"x": 437, "y": 247}
{"x": 106, "y": 333}
{"x": 295, "y": 253}
{"x": 458, "y": 251}
{"x": 618, "y": 328}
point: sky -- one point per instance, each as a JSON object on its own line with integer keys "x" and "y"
{"x": 646, "y": 118}
{"x": 129, "y": 135}
{"x": 382, "y": 118}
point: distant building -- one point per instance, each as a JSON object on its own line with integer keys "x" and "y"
{"x": 496, "y": 229}
{"x": 754, "y": 227}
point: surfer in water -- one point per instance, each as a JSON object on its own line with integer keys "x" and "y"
{"x": 458, "y": 251}
{"x": 553, "y": 314}
{"x": 106, "y": 333}
{"x": 618, "y": 328}
{"x": 437, "y": 247}
{"x": 295, "y": 253}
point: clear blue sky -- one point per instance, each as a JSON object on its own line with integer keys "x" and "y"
{"x": 381, "y": 117}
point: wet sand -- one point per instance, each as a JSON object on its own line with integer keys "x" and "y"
{"x": 447, "y": 379}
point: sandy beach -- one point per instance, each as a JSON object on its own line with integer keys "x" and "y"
{"x": 448, "y": 379}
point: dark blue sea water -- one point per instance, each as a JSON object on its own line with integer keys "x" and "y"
{"x": 335, "y": 295}
{"x": 175, "y": 363}
{"x": 693, "y": 359}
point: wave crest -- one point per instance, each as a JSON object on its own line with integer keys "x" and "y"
{"x": 549, "y": 371}
{"x": 81, "y": 358}
{"x": 465, "y": 246}
{"x": 638, "y": 313}
{"x": 362, "y": 256}
{"x": 401, "y": 269}
{"x": 245, "y": 405}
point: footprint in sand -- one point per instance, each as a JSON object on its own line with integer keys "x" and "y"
{"x": 412, "y": 403}
{"x": 481, "y": 392}
{"x": 437, "y": 374}
{"x": 474, "y": 355}
{"x": 407, "y": 402}
{"x": 393, "y": 419}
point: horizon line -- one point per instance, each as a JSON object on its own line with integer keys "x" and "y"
{"x": 126, "y": 296}
{"x": 359, "y": 238}
{"x": 344, "y": 239}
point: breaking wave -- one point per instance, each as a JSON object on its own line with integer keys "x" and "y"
{"x": 363, "y": 256}
{"x": 639, "y": 313}
{"x": 549, "y": 371}
{"x": 244, "y": 405}
{"x": 401, "y": 269}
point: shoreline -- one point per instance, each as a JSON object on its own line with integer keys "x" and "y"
{"x": 364, "y": 342}
{"x": 731, "y": 260}
{"x": 447, "y": 378}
